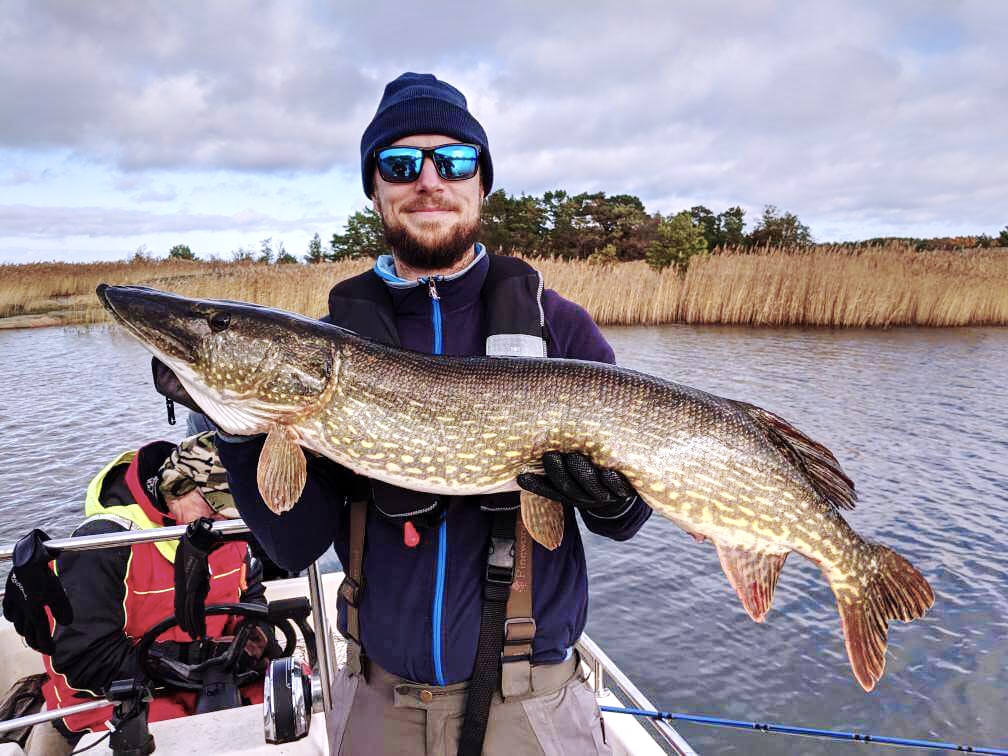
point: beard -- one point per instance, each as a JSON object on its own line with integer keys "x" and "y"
{"x": 434, "y": 249}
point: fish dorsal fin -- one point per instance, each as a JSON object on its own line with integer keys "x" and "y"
{"x": 817, "y": 462}
{"x": 753, "y": 575}
{"x": 543, "y": 518}
{"x": 282, "y": 470}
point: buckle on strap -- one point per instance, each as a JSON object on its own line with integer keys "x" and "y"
{"x": 350, "y": 590}
{"x": 500, "y": 561}
{"x": 519, "y": 630}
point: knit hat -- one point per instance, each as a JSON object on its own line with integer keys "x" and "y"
{"x": 194, "y": 464}
{"x": 421, "y": 104}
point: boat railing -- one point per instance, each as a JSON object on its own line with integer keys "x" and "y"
{"x": 605, "y": 674}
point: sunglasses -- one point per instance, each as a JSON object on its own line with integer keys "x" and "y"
{"x": 402, "y": 164}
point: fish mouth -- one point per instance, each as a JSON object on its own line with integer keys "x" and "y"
{"x": 166, "y": 323}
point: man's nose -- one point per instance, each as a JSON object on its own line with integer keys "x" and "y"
{"x": 429, "y": 178}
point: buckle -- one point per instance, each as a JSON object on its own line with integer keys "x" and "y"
{"x": 350, "y": 590}
{"x": 500, "y": 561}
{"x": 520, "y": 637}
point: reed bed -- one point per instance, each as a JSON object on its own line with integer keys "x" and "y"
{"x": 875, "y": 287}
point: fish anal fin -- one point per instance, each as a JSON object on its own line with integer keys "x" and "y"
{"x": 894, "y": 590}
{"x": 543, "y": 518}
{"x": 753, "y": 575}
{"x": 282, "y": 471}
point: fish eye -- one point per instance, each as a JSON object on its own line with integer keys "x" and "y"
{"x": 219, "y": 321}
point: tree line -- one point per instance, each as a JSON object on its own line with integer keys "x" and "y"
{"x": 590, "y": 226}
{"x": 596, "y": 227}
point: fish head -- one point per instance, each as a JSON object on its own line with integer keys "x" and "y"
{"x": 247, "y": 366}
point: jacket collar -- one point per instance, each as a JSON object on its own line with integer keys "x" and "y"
{"x": 456, "y": 291}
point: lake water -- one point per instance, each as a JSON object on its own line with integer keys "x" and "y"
{"x": 918, "y": 418}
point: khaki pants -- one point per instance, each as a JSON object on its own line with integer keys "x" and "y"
{"x": 385, "y": 714}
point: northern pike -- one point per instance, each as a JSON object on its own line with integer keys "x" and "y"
{"x": 728, "y": 471}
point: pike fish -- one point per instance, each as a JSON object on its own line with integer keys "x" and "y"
{"x": 734, "y": 473}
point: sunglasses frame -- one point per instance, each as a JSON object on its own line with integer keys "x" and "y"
{"x": 426, "y": 152}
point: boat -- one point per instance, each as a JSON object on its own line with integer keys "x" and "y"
{"x": 244, "y": 730}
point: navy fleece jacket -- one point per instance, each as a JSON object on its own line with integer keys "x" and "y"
{"x": 420, "y": 607}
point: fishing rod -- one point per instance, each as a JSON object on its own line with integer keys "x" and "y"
{"x": 812, "y": 732}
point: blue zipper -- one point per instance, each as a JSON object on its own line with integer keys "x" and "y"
{"x": 442, "y": 554}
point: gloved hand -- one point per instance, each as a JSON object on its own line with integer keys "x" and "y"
{"x": 31, "y": 586}
{"x": 192, "y": 575}
{"x": 572, "y": 479}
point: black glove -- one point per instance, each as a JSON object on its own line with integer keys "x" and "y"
{"x": 192, "y": 575}
{"x": 572, "y": 479}
{"x": 31, "y": 586}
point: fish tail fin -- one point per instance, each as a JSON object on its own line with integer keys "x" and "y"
{"x": 894, "y": 590}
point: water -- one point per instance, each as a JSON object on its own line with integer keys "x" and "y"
{"x": 918, "y": 418}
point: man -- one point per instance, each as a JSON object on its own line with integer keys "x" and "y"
{"x": 423, "y": 604}
{"x": 111, "y": 597}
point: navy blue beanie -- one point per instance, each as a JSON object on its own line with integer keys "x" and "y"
{"x": 420, "y": 104}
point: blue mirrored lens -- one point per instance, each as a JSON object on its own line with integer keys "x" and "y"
{"x": 456, "y": 161}
{"x": 400, "y": 163}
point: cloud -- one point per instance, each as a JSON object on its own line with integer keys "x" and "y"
{"x": 38, "y": 222}
{"x": 848, "y": 113}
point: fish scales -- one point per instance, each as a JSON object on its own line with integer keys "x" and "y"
{"x": 728, "y": 471}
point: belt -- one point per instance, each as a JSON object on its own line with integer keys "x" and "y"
{"x": 546, "y": 678}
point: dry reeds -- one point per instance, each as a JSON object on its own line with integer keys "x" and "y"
{"x": 824, "y": 286}
{"x": 838, "y": 286}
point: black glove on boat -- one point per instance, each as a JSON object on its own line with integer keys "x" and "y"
{"x": 192, "y": 575}
{"x": 31, "y": 586}
{"x": 573, "y": 479}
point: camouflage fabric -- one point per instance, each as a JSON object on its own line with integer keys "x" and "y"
{"x": 194, "y": 464}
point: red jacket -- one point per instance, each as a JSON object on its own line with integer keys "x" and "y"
{"x": 117, "y": 594}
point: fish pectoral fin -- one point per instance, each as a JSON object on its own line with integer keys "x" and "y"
{"x": 543, "y": 518}
{"x": 282, "y": 471}
{"x": 753, "y": 575}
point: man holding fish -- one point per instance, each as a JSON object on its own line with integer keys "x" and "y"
{"x": 427, "y": 611}
{"x": 438, "y": 599}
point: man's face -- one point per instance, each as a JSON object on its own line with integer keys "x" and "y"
{"x": 190, "y": 507}
{"x": 430, "y": 223}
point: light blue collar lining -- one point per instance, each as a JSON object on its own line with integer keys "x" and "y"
{"x": 384, "y": 267}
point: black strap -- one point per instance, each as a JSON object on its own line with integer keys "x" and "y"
{"x": 486, "y": 673}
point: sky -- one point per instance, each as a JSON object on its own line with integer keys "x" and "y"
{"x": 128, "y": 124}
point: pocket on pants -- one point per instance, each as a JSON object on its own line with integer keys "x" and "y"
{"x": 343, "y": 691}
{"x": 568, "y": 721}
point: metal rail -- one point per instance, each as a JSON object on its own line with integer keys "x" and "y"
{"x": 323, "y": 640}
{"x": 601, "y": 665}
{"x": 31, "y": 720}
{"x": 128, "y": 538}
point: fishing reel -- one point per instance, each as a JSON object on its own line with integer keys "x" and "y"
{"x": 287, "y": 700}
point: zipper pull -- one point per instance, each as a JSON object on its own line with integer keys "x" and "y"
{"x": 433, "y": 288}
{"x": 411, "y": 538}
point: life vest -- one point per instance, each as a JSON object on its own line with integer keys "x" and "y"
{"x": 149, "y": 595}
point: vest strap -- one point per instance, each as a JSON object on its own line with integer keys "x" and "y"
{"x": 353, "y": 578}
{"x": 519, "y": 625}
{"x": 486, "y": 672}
